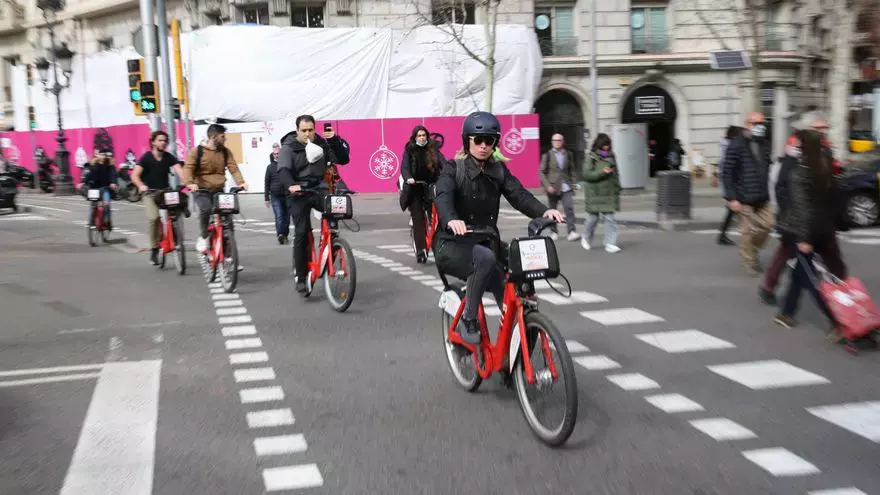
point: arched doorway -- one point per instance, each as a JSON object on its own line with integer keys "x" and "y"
{"x": 652, "y": 105}
{"x": 559, "y": 112}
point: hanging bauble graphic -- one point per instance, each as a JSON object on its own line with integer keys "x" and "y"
{"x": 181, "y": 151}
{"x": 14, "y": 154}
{"x": 384, "y": 163}
{"x": 80, "y": 157}
{"x": 513, "y": 142}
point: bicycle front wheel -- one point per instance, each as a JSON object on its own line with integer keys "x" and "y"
{"x": 179, "y": 249}
{"x": 462, "y": 362}
{"x": 552, "y": 425}
{"x": 341, "y": 286}
{"x": 229, "y": 265}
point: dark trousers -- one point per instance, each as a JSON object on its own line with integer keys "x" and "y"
{"x": 805, "y": 276}
{"x": 831, "y": 257}
{"x": 727, "y": 221}
{"x": 204, "y": 201}
{"x": 300, "y": 208}
{"x": 417, "y": 209}
{"x": 486, "y": 276}
{"x": 567, "y": 204}
{"x": 282, "y": 215}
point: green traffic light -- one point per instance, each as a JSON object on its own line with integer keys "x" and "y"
{"x": 135, "y": 95}
{"x": 33, "y": 125}
{"x": 148, "y": 106}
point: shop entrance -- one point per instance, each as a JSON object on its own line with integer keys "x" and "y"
{"x": 653, "y": 106}
{"x": 559, "y": 112}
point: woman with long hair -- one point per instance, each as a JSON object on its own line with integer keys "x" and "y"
{"x": 807, "y": 222}
{"x": 421, "y": 162}
{"x": 601, "y": 193}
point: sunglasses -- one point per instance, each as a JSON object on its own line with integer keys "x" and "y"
{"x": 487, "y": 140}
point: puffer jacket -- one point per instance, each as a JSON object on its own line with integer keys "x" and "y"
{"x": 746, "y": 175}
{"x": 294, "y": 168}
{"x": 601, "y": 190}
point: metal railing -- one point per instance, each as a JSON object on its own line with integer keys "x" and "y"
{"x": 650, "y": 44}
{"x": 558, "y": 47}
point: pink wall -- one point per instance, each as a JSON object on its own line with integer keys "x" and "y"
{"x": 124, "y": 137}
{"x": 375, "y": 169}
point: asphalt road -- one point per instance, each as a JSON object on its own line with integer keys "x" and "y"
{"x": 117, "y": 377}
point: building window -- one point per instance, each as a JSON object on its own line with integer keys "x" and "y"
{"x": 307, "y": 16}
{"x": 452, "y": 12}
{"x": 8, "y": 64}
{"x": 105, "y": 44}
{"x": 649, "y": 33}
{"x": 774, "y": 31}
{"x": 555, "y": 29}
{"x": 258, "y": 14}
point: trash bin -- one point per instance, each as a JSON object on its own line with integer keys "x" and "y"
{"x": 673, "y": 195}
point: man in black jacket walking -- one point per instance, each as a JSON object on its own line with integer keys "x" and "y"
{"x": 276, "y": 197}
{"x": 746, "y": 175}
{"x": 302, "y": 162}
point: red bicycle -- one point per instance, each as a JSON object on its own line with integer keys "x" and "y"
{"x": 173, "y": 202}
{"x": 522, "y": 331}
{"x": 431, "y": 223}
{"x": 97, "y": 226}
{"x": 333, "y": 258}
{"x": 222, "y": 250}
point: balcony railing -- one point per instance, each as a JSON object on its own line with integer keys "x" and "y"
{"x": 558, "y": 47}
{"x": 650, "y": 44}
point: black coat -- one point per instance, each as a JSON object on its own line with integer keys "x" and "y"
{"x": 810, "y": 213}
{"x": 746, "y": 175}
{"x": 101, "y": 175}
{"x": 294, "y": 168}
{"x": 272, "y": 183}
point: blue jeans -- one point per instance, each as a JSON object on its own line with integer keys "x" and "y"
{"x": 610, "y": 227}
{"x": 105, "y": 196}
{"x": 282, "y": 215}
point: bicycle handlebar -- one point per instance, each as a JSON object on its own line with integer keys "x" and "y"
{"x": 315, "y": 190}
{"x": 536, "y": 227}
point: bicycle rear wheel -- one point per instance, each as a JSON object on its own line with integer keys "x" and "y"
{"x": 179, "y": 249}
{"x": 229, "y": 265}
{"x": 461, "y": 360}
{"x": 543, "y": 338}
{"x": 345, "y": 273}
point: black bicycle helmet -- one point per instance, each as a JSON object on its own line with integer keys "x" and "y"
{"x": 479, "y": 123}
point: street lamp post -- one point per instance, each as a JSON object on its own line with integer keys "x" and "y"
{"x": 61, "y": 56}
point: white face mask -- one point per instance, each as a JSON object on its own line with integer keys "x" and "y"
{"x": 793, "y": 151}
{"x": 314, "y": 152}
{"x": 759, "y": 130}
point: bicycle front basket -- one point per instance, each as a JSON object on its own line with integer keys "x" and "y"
{"x": 338, "y": 206}
{"x": 532, "y": 258}
{"x": 226, "y": 203}
{"x": 94, "y": 195}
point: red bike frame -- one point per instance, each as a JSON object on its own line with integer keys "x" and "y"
{"x": 511, "y": 321}
{"x": 431, "y": 227}
{"x": 98, "y": 215}
{"x": 316, "y": 265}
{"x": 215, "y": 251}
{"x": 167, "y": 244}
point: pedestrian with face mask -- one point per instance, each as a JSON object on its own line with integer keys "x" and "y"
{"x": 746, "y": 178}
{"x": 421, "y": 162}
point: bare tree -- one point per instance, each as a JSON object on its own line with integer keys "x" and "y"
{"x": 449, "y": 16}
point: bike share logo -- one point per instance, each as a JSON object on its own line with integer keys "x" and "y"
{"x": 384, "y": 164}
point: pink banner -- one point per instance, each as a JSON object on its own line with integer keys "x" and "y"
{"x": 81, "y": 143}
{"x": 377, "y": 147}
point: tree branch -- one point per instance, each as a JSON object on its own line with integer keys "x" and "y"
{"x": 698, "y": 9}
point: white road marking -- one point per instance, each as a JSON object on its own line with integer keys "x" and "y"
{"x": 722, "y": 429}
{"x": 238, "y": 330}
{"x": 850, "y": 490}
{"x": 227, "y": 320}
{"x": 217, "y": 297}
{"x": 400, "y": 269}
{"x": 577, "y": 297}
{"x": 780, "y": 462}
{"x": 575, "y": 346}
{"x": 269, "y": 418}
{"x": 419, "y": 278}
{"x": 594, "y": 363}
{"x": 292, "y": 477}
{"x": 262, "y": 394}
{"x": 633, "y": 381}
{"x": 489, "y": 310}
{"x": 116, "y": 448}
{"x": 23, "y": 217}
{"x": 54, "y": 369}
{"x": 402, "y": 250}
{"x": 866, "y": 242}
{"x": 243, "y": 343}
{"x": 231, "y": 311}
{"x": 432, "y": 282}
{"x": 228, "y": 303}
{"x": 281, "y": 444}
{"x": 673, "y": 403}
{"x": 45, "y": 207}
{"x": 861, "y": 418}
{"x": 678, "y": 341}
{"x": 390, "y": 265}
{"x": 49, "y": 379}
{"x": 394, "y": 246}
{"x": 411, "y": 272}
{"x": 760, "y": 375}
{"x": 248, "y": 357}
{"x": 253, "y": 375}
{"x": 620, "y": 316}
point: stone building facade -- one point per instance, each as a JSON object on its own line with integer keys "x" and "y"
{"x": 647, "y": 51}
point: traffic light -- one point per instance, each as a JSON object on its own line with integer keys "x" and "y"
{"x": 149, "y": 97}
{"x": 176, "y": 104}
{"x": 135, "y": 76}
{"x": 32, "y": 118}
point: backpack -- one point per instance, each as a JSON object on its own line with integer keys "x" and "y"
{"x": 201, "y": 151}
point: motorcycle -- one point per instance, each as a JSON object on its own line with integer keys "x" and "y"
{"x": 46, "y": 176}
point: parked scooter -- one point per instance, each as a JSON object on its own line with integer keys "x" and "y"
{"x": 45, "y": 173}
{"x": 127, "y": 189}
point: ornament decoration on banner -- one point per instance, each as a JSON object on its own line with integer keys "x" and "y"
{"x": 181, "y": 150}
{"x": 513, "y": 141}
{"x": 268, "y": 128}
{"x": 80, "y": 157}
{"x": 14, "y": 153}
{"x": 384, "y": 163}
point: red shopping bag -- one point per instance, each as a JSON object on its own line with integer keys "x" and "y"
{"x": 853, "y": 309}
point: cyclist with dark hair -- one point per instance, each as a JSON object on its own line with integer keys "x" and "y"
{"x": 469, "y": 194}
{"x": 302, "y": 162}
{"x": 205, "y": 174}
{"x": 102, "y": 175}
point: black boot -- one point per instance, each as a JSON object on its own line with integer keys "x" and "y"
{"x": 470, "y": 331}
{"x": 723, "y": 240}
{"x": 154, "y": 256}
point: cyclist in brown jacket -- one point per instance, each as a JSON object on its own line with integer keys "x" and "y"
{"x": 205, "y": 173}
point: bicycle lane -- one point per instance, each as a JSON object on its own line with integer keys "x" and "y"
{"x": 371, "y": 392}
{"x": 88, "y": 334}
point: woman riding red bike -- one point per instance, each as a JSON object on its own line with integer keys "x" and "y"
{"x": 102, "y": 175}
{"x": 420, "y": 170}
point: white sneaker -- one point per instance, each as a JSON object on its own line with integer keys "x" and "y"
{"x": 585, "y": 243}
{"x": 573, "y": 236}
{"x": 202, "y": 245}
{"x": 553, "y": 235}
{"x": 611, "y": 248}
